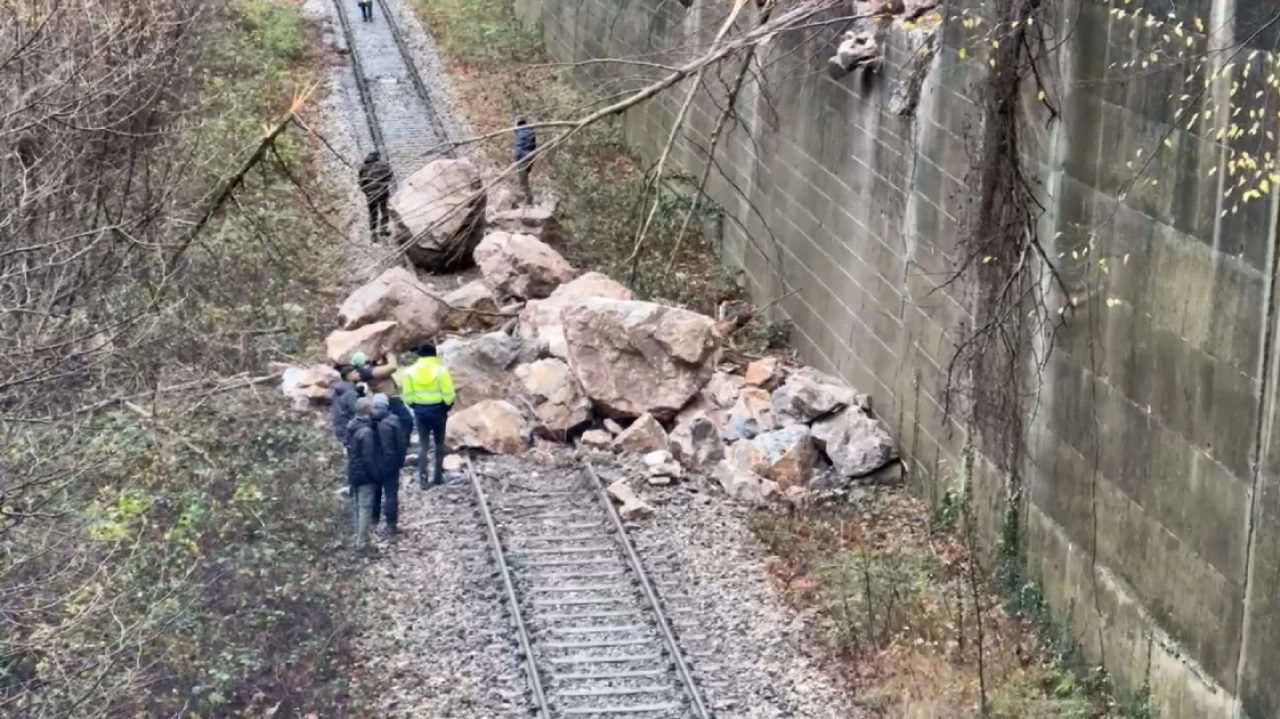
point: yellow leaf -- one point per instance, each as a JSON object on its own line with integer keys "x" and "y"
{"x": 1040, "y": 96}
{"x": 963, "y": 53}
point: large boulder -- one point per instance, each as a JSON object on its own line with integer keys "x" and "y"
{"x": 538, "y": 221}
{"x": 750, "y": 415}
{"x": 398, "y": 296}
{"x": 481, "y": 366}
{"x": 644, "y": 435}
{"x": 438, "y": 215}
{"x": 785, "y": 456}
{"x": 374, "y": 340}
{"x": 540, "y": 320}
{"x": 313, "y": 383}
{"x": 855, "y": 443}
{"x": 809, "y": 394}
{"x": 558, "y": 401}
{"x": 743, "y": 484}
{"x": 695, "y": 440}
{"x": 637, "y": 357}
{"x": 471, "y": 306}
{"x": 521, "y": 266}
{"x": 492, "y": 425}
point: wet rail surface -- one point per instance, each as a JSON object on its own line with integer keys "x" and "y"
{"x": 594, "y": 636}
{"x": 401, "y": 120}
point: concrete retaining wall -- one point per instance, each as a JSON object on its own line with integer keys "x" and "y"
{"x": 1152, "y": 461}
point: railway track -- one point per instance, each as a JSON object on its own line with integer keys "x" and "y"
{"x": 592, "y": 633}
{"x": 402, "y": 120}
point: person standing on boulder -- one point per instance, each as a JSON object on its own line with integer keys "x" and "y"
{"x": 526, "y": 145}
{"x": 375, "y": 181}
{"x": 427, "y": 388}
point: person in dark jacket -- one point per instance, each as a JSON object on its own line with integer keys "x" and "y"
{"x": 366, "y": 10}
{"x": 526, "y": 145}
{"x": 364, "y": 471}
{"x": 393, "y": 446}
{"x": 375, "y": 181}
{"x": 342, "y": 407}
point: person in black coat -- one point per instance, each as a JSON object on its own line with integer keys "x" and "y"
{"x": 393, "y": 446}
{"x": 364, "y": 470}
{"x": 376, "y": 179}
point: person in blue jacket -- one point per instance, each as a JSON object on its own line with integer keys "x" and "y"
{"x": 526, "y": 146}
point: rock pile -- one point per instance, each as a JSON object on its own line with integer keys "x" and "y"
{"x": 579, "y": 359}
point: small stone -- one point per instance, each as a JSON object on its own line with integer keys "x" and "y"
{"x": 765, "y": 373}
{"x": 452, "y": 463}
{"x": 644, "y": 435}
{"x": 613, "y": 427}
{"x": 695, "y": 441}
{"x": 809, "y": 394}
{"x": 742, "y": 484}
{"x": 659, "y": 480}
{"x": 596, "y": 439}
{"x": 723, "y": 389}
{"x": 660, "y": 463}
{"x": 632, "y": 506}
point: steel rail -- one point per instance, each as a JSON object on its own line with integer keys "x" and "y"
{"x": 366, "y": 99}
{"x": 416, "y": 78}
{"x": 668, "y": 637}
{"x": 522, "y": 634}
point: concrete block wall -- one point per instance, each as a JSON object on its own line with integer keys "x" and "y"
{"x": 1152, "y": 463}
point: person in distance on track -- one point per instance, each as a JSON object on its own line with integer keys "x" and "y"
{"x": 526, "y": 145}
{"x": 375, "y": 181}
{"x": 366, "y": 10}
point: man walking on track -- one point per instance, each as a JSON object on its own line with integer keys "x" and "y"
{"x": 366, "y": 10}
{"x": 375, "y": 182}
{"x": 427, "y": 388}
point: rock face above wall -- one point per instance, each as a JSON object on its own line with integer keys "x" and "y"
{"x": 860, "y": 183}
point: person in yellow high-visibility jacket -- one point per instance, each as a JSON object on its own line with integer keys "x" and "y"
{"x": 427, "y": 388}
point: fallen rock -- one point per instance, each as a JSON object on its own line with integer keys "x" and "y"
{"x": 438, "y": 213}
{"x": 596, "y": 439}
{"x": 540, "y": 319}
{"x": 521, "y": 266}
{"x": 452, "y": 463}
{"x": 492, "y": 425}
{"x": 471, "y": 306}
{"x": 809, "y": 394}
{"x": 751, "y": 415}
{"x": 632, "y": 506}
{"x": 395, "y": 295}
{"x": 374, "y": 340}
{"x": 538, "y": 221}
{"x": 644, "y": 435}
{"x": 856, "y": 444}
{"x": 481, "y": 366}
{"x": 661, "y": 464}
{"x": 312, "y": 383}
{"x": 744, "y": 485}
{"x": 785, "y": 456}
{"x": 638, "y": 357}
{"x": 723, "y": 389}
{"x": 558, "y": 401}
{"x": 695, "y": 441}
{"x": 765, "y": 373}
{"x": 612, "y": 427}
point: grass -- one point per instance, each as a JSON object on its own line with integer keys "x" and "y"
{"x": 184, "y": 557}
{"x": 897, "y": 602}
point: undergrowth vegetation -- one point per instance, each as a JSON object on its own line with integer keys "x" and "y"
{"x": 163, "y": 553}
{"x": 501, "y": 70}
{"x": 916, "y": 622}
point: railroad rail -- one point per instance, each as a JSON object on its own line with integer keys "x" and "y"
{"x": 403, "y": 122}
{"x": 591, "y": 630}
